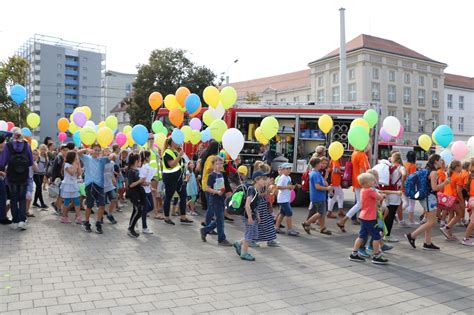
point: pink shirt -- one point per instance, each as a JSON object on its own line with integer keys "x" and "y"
{"x": 368, "y": 197}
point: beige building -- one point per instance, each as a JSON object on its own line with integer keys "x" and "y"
{"x": 458, "y": 105}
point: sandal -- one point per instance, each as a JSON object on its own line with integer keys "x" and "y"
{"x": 30, "y": 215}
{"x": 159, "y": 217}
{"x": 306, "y": 227}
{"x": 341, "y": 227}
{"x": 325, "y": 231}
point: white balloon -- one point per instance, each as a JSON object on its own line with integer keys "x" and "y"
{"x": 470, "y": 143}
{"x": 217, "y": 112}
{"x": 233, "y": 142}
{"x": 3, "y": 125}
{"x": 392, "y": 125}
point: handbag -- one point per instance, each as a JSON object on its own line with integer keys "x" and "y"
{"x": 445, "y": 201}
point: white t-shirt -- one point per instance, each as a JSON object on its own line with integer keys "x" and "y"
{"x": 285, "y": 194}
{"x": 396, "y": 178}
{"x": 147, "y": 172}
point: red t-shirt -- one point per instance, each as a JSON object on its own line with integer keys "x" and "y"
{"x": 360, "y": 164}
{"x": 335, "y": 169}
{"x": 368, "y": 198}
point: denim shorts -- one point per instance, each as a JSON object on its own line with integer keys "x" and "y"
{"x": 430, "y": 203}
{"x": 75, "y": 200}
{"x": 318, "y": 207}
{"x": 285, "y": 209}
{"x": 368, "y": 228}
{"x": 94, "y": 194}
{"x": 110, "y": 196}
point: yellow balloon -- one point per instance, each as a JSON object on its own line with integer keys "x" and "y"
{"x": 160, "y": 140}
{"x": 425, "y": 142}
{"x": 101, "y": 124}
{"x": 360, "y": 122}
{"x": 34, "y": 144}
{"x": 87, "y": 135}
{"x": 126, "y": 129}
{"x": 218, "y": 127}
{"x": 208, "y": 118}
{"x": 195, "y": 136}
{"x": 259, "y": 136}
{"x": 86, "y": 110}
{"x": 336, "y": 150}
{"x": 434, "y": 138}
{"x": 211, "y": 96}
{"x": 269, "y": 127}
{"x": 111, "y": 122}
{"x": 325, "y": 123}
{"x": 228, "y": 97}
{"x": 33, "y": 120}
{"x": 130, "y": 141}
{"x": 187, "y": 133}
{"x": 105, "y": 135}
{"x": 242, "y": 169}
{"x": 171, "y": 102}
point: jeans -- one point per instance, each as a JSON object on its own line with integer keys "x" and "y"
{"x": 38, "y": 179}
{"x": 18, "y": 202}
{"x": 217, "y": 208}
{"x": 3, "y": 199}
{"x": 209, "y": 212}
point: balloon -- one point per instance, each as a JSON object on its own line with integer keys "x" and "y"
{"x": 260, "y": 137}
{"x": 233, "y": 142}
{"x": 336, "y": 150}
{"x": 126, "y": 129}
{"x": 86, "y": 110}
{"x": 91, "y": 124}
{"x": 269, "y": 127}
{"x": 111, "y": 122}
{"x": 187, "y": 133}
{"x": 360, "y": 122}
{"x": 87, "y": 135}
{"x": 223, "y": 154}
{"x": 195, "y": 136}
{"x": 139, "y": 134}
{"x": 105, "y": 136}
{"x": 176, "y": 117}
{"x": 459, "y": 150}
{"x": 192, "y": 103}
{"x": 171, "y": 102}
{"x": 208, "y": 118}
{"x": 206, "y": 135}
{"x": 160, "y": 140}
{"x": 80, "y": 119}
{"x": 155, "y": 100}
{"x": 101, "y": 124}
{"x": 447, "y": 156}
{"x": 371, "y": 117}
{"x": 358, "y": 137}
{"x": 163, "y": 130}
{"x": 384, "y": 135}
{"x": 33, "y": 120}
{"x": 121, "y": 138}
{"x": 292, "y": 196}
{"x": 181, "y": 95}
{"x": 82, "y": 189}
{"x": 400, "y": 133}
{"x": 62, "y": 136}
{"x": 470, "y": 143}
{"x": 443, "y": 135}
{"x": 228, "y": 97}
{"x": 76, "y": 138}
{"x": 242, "y": 169}
{"x": 424, "y": 141}
{"x": 391, "y": 125}
{"x": 130, "y": 141}
{"x": 218, "y": 127}
{"x": 26, "y": 132}
{"x": 195, "y": 124}
{"x": 18, "y": 93}
{"x": 73, "y": 127}
{"x": 34, "y": 144}
{"x": 325, "y": 123}
{"x": 211, "y": 96}
{"x": 177, "y": 136}
{"x": 156, "y": 126}
{"x": 217, "y": 112}
{"x": 434, "y": 139}
{"x": 3, "y": 125}
{"x": 63, "y": 124}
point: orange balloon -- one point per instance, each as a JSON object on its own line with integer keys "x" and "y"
{"x": 155, "y": 100}
{"x": 176, "y": 117}
{"x": 197, "y": 112}
{"x": 181, "y": 94}
{"x": 63, "y": 124}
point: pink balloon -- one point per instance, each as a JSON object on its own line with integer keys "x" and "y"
{"x": 121, "y": 138}
{"x": 459, "y": 150}
{"x": 385, "y": 136}
{"x": 80, "y": 119}
{"x": 195, "y": 124}
{"x": 292, "y": 196}
{"x": 400, "y": 133}
{"x": 62, "y": 136}
{"x": 10, "y": 125}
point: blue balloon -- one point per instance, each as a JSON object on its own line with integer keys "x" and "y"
{"x": 18, "y": 93}
{"x": 206, "y": 135}
{"x": 192, "y": 103}
{"x": 77, "y": 138}
{"x": 26, "y": 132}
{"x": 139, "y": 134}
{"x": 447, "y": 156}
{"x": 443, "y": 135}
{"x": 177, "y": 136}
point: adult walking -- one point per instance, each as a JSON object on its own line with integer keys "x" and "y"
{"x": 38, "y": 176}
{"x": 3, "y": 192}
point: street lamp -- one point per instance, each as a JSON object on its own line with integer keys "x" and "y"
{"x": 227, "y": 71}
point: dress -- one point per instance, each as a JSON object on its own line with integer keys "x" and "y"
{"x": 266, "y": 228}
{"x": 192, "y": 187}
{"x": 69, "y": 185}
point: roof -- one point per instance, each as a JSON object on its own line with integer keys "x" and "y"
{"x": 378, "y": 44}
{"x": 120, "y": 107}
{"x": 287, "y": 81}
{"x": 460, "y": 81}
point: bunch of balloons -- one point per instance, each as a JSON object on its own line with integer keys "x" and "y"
{"x": 359, "y": 131}
{"x": 268, "y": 129}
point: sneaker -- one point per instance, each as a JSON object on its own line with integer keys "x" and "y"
{"x": 307, "y": 228}
{"x": 467, "y": 242}
{"x": 237, "y": 247}
{"x": 247, "y": 256}
{"x": 386, "y": 248}
{"x": 44, "y": 207}
{"x": 212, "y": 233}
{"x": 78, "y": 220}
{"x": 273, "y": 243}
{"x": 253, "y": 244}
{"x": 282, "y": 226}
{"x": 362, "y": 252}
{"x": 86, "y": 227}
{"x": 169, "y": 222}
{"x": 194, "y": 214}
{"x": 379, "y": 260}
{"x": 355, "y": 222}
{"x": 225, "y": 243}
{"x": 132, "y": 233}
{"x": 445, "y": 231}
{"x": 14, "y": 226}
{"x": 35, "y": 205}
{"x": 452, "y": 238}
{"x": 370, "y": 248}
{"x": 203, "y": 234}
{"x": 54, "y": 206}
{"x": 111, "y": 219}
{"x": 410, "y": 240}
{"x": 391, "y": 239}
{"x": 430, "y": 247}
{"x": 228, "y": 219}
{"x": 405, "y": 224}
{"x": 442, "y": 225}
{"x": 186, "y": 221}
{"x": 356, "y": 258}
{"x": 147, "y": 231}
{"x": 98, "y": 228}
{"x": 119, "y": 209}
{"x": 65, "y": 220}
{"x": 22, "y": 225}
{"x": 293, "y": 233}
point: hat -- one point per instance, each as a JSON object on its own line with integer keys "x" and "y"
{"x": 259, "y": 174}
{"x": 285, "y": 165}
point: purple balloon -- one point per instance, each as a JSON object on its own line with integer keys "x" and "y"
{"x": 80, "y": 119}
{"x": 385, "y": 136}
{"x": 195, "y": 124}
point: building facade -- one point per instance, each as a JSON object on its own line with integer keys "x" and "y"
{"x": 118, "y": 86}
{"x": 120, "y": 111}
{"x": 62, "y": 75}
{"x": 459, "y": 105}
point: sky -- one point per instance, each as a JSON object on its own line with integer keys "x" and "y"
{"x": 267, "y": 37}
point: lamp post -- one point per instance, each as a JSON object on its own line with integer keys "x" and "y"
{"x": 227, "y": 71}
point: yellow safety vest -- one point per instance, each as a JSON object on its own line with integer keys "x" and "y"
{"x": 167, "y": 170}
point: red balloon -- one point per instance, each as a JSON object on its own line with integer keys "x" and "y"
{"x": 10, "y": 125}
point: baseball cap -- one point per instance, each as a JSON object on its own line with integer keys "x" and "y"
{"x": 259, "y": 174}
{"x": 286, "y": 165}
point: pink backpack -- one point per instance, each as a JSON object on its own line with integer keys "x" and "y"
{"x": 347, "y": 177}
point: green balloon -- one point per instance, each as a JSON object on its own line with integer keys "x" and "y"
{"x": 82, "y": 190}
{"x": 156, "y": 126}
{"x": 163, "y": 130}
{"x": 371, "y": 117}
{"x": 358, "y": 137}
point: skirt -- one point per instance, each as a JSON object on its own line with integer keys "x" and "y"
{"x": 266, "y": 228}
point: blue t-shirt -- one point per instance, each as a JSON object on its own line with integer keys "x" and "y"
{"x": 94, "y": 170}
{"x": 216, "y": 181}
{"x": 316, "y": 195}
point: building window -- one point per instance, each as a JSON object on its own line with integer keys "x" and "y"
{"x": 434, "y": 121}
{"x": 434, "y": 98}
{"x": 375, "y": 73}
{"x": 421, "y": 80}
{"x": 84, "y": 88}
{"x": 421, "y": 97}
{"x": 60, "y": 66}
{"x": 392, "y": 93}
{"x": 450, "y": 101}
{"x": 84, "y": 68}
{"x": 282, "y": 99}
{"x": 321, "y": 96}
{"x": 320, "y": 81}
{"x": 392, "y": 112}
{"x": 308, "y": 97}
{"x": 435, "y": 83}
{"x": 352, "y": 92}
{"x": 461, "y": 124}
{"x": 461, "y": 102}
{"x": 58, "y": 95}
{"x": 406, "y": 120}
{"x": 406, "y": 95}
{"x": 59, "y": 76}
{"x": 60, "y": 55}
{"x": 450, "y": 121}
{"x": 296, "y": 99}
{"x": 391, "y": 76}
{"x": 84, "y": 59}
{"x": 421, "y": 121}
{"x": 335, "y": 94}
{"x": 375, "y": 91}
{"x": 335, "y": 78}
{"x": 84, "y": 78}
{"x": 352, "y": 74}
{"x": 84, "y": 97}
{"x": 407, "y": 78}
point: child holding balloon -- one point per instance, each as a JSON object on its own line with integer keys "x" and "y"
{"x": 70, "y": 191}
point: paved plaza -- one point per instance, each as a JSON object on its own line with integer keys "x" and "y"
{"x": 54, "y": 268}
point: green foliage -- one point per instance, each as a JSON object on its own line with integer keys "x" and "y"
{"x": 252, "y": 98}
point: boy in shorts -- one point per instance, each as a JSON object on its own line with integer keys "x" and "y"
{"x": 110, "y": 191}
{"x": 284, "y": 198}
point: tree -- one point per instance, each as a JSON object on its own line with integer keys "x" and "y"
{"x": 252, "y": 97}
{"x": 166, "y": 71}
{"x": 13, "y": 71}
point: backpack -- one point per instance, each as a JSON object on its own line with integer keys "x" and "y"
{"x": 347, "y": 177}
{"x": 417, "y": 185}
{"x": 391, "y": 185}
{"x": 235, "y": 204}
{"x": 18, "y": 166}
{"x": 305, "y": 181}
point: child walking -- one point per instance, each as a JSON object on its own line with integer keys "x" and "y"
{"x": 337, "y": 195}
{"x": 409, "y": 204}
{"x": 191, "y": 188}
{"x": 284, "y": 195}
{"x": 146, "y": 173}
{"x": 110, "y": 191}
{"x": 135, "y": 192}
{"x": 70, "y": 187}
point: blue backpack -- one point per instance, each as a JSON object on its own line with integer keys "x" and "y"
{"x": 417, "y": 185}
